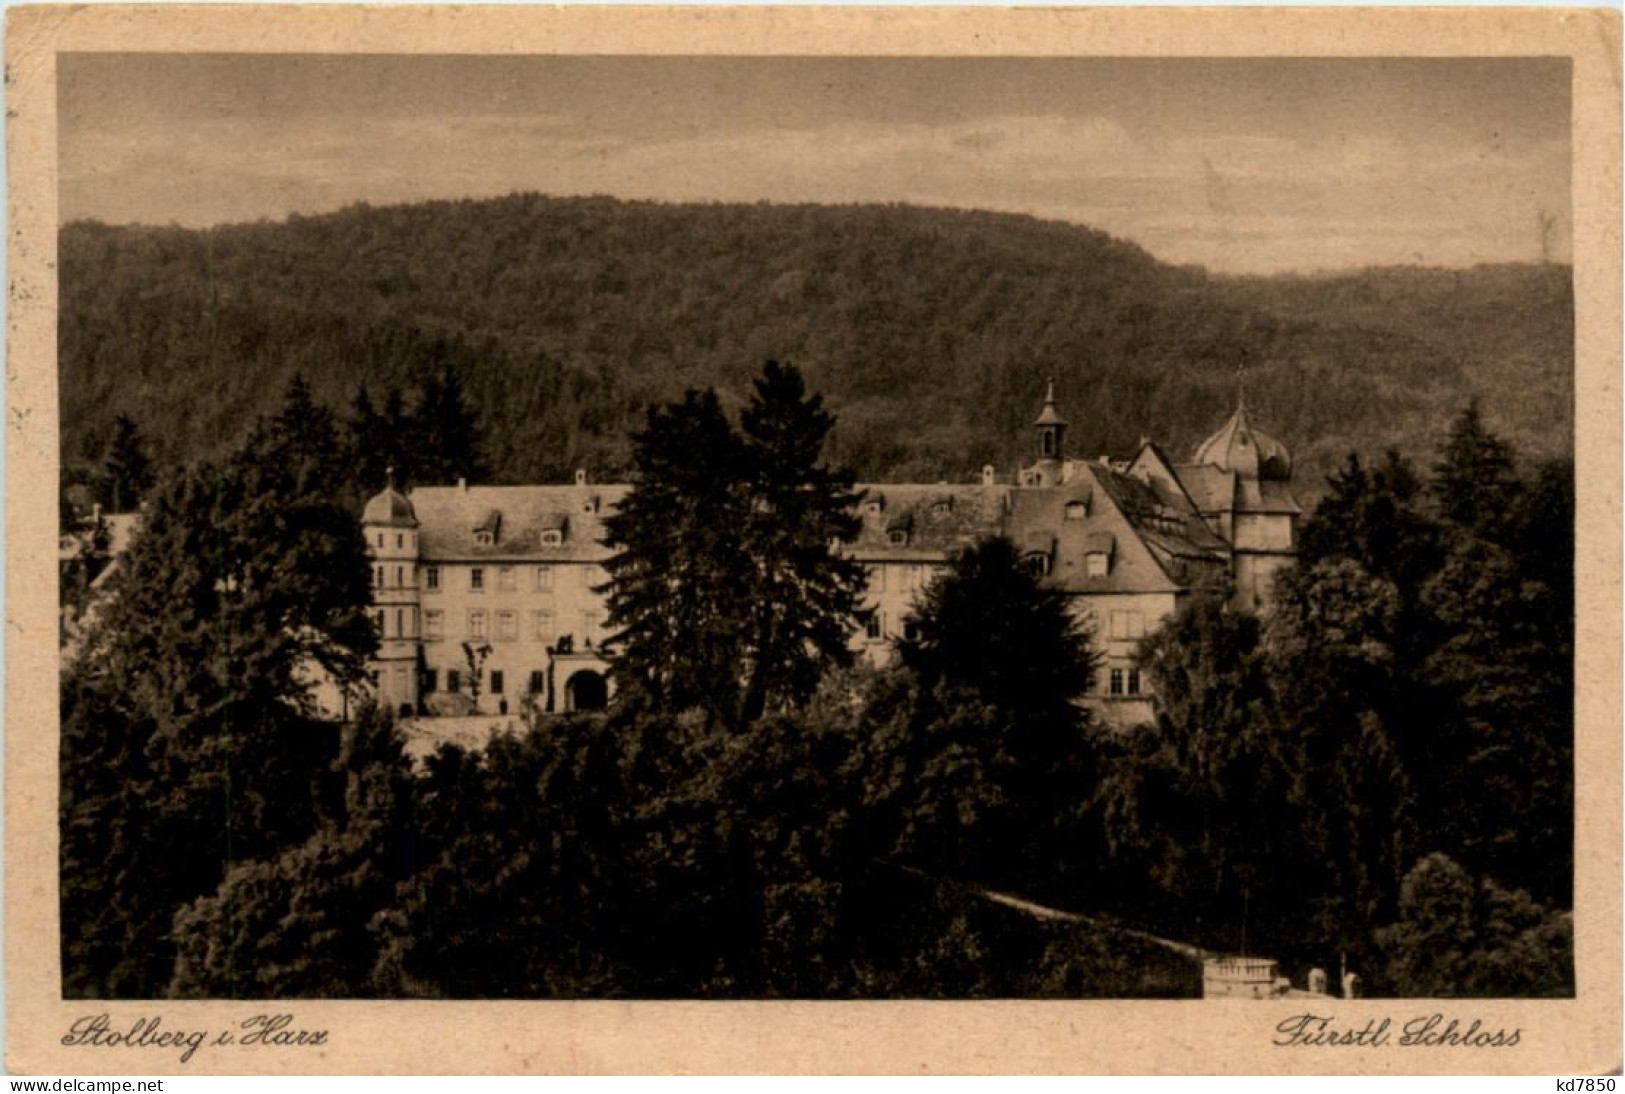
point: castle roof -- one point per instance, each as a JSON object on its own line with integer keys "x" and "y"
{"x": 1049, "y": 415}
{"x": 391, "y": 508}
{"x": 515, "y": 517}
{"x": 1242, "y": 447}
{"x": 935, "y": 520}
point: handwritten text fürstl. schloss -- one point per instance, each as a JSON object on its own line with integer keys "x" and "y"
{"x": 261, "y": 1031}
{"x": 1426, "y": 1031}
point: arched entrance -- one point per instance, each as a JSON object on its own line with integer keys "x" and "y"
{"x": 586, "y": 690}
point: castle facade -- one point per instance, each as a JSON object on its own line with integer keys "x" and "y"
{"x": 485, "y": 598}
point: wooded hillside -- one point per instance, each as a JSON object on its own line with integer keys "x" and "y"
{"x": 930, "y": 331}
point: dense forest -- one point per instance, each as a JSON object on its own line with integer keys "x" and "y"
{"x": 930, "y": 331}
{"x": 1377, "y": 772}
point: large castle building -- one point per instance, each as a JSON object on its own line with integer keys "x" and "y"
{"x": 486, "y": 596}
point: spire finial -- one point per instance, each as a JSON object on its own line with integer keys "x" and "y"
{"x": 389, "y": 477}
{"x": 1241, "y": 386}
{"x": 1049, "y": 391}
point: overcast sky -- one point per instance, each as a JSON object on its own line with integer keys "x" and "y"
{"x": 1247, "y": 165}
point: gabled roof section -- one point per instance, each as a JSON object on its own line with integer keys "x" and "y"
{"x": 972, "y": 512}
{"x": 1152, "y": 466}
{"x": 449, "y": 518}
{"x": 1037, "y": 521}
{"x": 1211, "y": 489}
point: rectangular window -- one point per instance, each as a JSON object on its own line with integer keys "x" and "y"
{"x": 538, "y": 681}
{"x": 476, "y": 579}
{"x": 476, "y": 623}
{"x": 400, "y": 542}
{"x": 1117, "y": 681}
{"x": 541, "y": 622}
{"x": 874, "y": 628}
{"x": 433, "y": 622}
{"x": 496, "y": 681}
{"x": 400, "y": 623}
{"x": 378, "y": 577}
{"x": 507, "y": 626}
{"x": 1134, "y": 681}
{"x": 454, "y": 681}
{"x": 544, "y": 579}
{"x": 505, "y": 578}
{"x": 1095, "y": 564}
{"x": 380, "y": 539}
{"x": 431, "y": 578}
{"x": 431, "y": 680}
{"x": 1128, "y": 624}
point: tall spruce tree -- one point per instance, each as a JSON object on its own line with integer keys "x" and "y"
{"x": 126, "y": 468}
{"x": 1474, "y": 483}
{"x": 680, "y": 582}
{"x": 446, "y": 431}
{"x": 806, "y": 596}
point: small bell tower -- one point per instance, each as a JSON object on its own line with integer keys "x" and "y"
{"x": 1046, "y": 471}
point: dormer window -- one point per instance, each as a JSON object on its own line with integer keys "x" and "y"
{"x": 487, "y": 531}
{"x": 1077, "y": 510}
{"x": 897, "y": 537}
{"x": 942, "y": 507}
{"x": 875, "y": 505}
{"x": 1097, "y": 554}
{"x": 1037, "y": 564}
{"x": 552, "y": 537}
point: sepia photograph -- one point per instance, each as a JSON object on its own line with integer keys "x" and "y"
{"x": 555, "y": 525}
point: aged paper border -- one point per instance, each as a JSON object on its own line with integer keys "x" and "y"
{"x": 1580, "y": 1036}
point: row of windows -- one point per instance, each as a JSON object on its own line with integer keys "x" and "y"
{"x": 402, "y": 542}
{"x": 479, "y": 624}
{"x": 507, "y": 577}
{"x": 496, "y": 682}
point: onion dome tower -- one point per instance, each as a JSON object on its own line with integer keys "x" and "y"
{"x": 1262, "y": 521}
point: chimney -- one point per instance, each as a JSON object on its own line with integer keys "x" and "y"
{"x": 462, "y": 484}
{"x": 96, "y": 513}
{"x": 581, "y": 476}
{"x": 987, "y": 475}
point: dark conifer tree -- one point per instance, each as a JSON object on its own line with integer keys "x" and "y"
{"x": 126, "y": 468}
{"x": 446, "y": 429}
{"x": 1473, "y": 482}
{"x": 989, "y": 627}
{"x": 806, "y": 595}
{"x": 680, "y": 582}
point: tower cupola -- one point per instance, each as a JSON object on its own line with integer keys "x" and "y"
{"x": 1242, "y": 447}
{"x": 1051, "y": 428}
